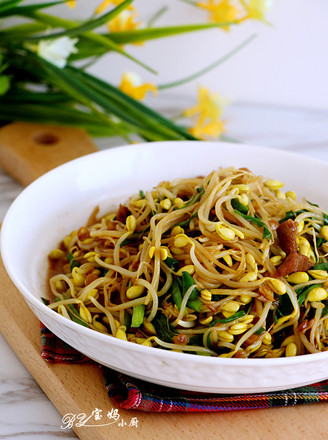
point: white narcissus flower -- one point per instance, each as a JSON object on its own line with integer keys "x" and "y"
{"x": 58, "y": 50}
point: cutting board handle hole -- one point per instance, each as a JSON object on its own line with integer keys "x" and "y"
{"x": 46, "y": 139}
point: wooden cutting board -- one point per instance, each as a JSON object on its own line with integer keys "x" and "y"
{"x": 79, "y": 389}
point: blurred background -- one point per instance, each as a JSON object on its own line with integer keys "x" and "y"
{"x": 285, "y": 65}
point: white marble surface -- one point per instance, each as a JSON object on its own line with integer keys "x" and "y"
{"x": 25, "y": 412}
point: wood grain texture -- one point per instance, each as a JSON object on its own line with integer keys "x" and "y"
{"x": 29, "y": 150}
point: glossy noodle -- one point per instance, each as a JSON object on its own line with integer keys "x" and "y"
{"x": 224, "y": 265}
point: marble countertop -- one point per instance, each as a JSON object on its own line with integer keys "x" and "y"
{"x": 25, "y": 411}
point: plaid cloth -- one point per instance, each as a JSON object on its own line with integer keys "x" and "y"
{"x": 129, "y": 393}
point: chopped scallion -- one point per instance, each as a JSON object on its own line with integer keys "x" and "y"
{"x": 138, "y": 315}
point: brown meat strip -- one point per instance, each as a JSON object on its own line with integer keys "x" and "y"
{"x": 294, "y": 262}
{"x": 231, "y": 218}
{"x": 122, "y": 213}
{"x": 287, "y": 236}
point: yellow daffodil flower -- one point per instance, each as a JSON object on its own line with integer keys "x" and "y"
{"x": 232, "y": 11}
{"x": 132, "y": 86}
{"x": 221, "y": 11}
{"x": 211, "y": 130}
{"x": 125, "y": 21}
{"x": 208, "y": 114}
{"x": 105, "y": 3}
{"x": 71, "y": 4}
{"x": 256, "y": 9}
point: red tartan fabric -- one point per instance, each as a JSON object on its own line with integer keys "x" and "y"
{"x": 134, "y": 394}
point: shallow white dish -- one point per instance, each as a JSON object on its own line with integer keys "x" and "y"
{"x": 62, "y": 200}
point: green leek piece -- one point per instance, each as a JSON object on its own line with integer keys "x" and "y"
{"x": 193, "y": 302}
{"x": 164, "y": 330}
{"x": 176, "y": 294}
{"x": 138, "y": 315}
{"x": 256, "y": 221}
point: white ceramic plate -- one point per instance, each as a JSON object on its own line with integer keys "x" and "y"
{"x": 62, "y": 200}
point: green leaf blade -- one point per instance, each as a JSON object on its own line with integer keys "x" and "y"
{"x": 139, "y": 35}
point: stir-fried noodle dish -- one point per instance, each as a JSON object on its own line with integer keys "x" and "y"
{"x": 224, "y": 265}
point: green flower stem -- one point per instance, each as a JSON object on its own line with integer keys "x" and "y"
{"x": 97, "y": 39}
{"x": 158, "y": 14}
{"x": 87, "y": 26}
{"x": 63, "y": 81}
{"x": 133, "y": 107}
{"x": 85, "y": 46}
{"x": 19, "y": 10}
{"x": 8, "y": 4}
{"x": 21, "y": 95}
{"x": 105, "y": 99}
{"x": 57, "y": 115}
{"x": 207, "y": 69}
{"x": 101, "y": 98}
{"x": 34, "y": 89}
{"x": 139, "y": 35}
{"x": 20, "y": 31}
{"x": 190, "y": 2}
